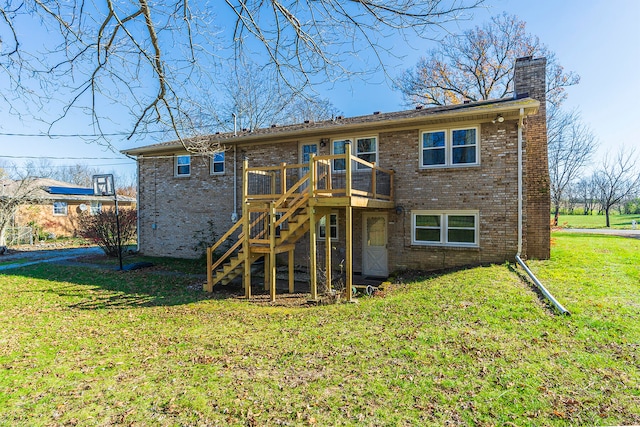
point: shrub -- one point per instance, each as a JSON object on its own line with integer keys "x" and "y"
{"x": 101, "y": 228}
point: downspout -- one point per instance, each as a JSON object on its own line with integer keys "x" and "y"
{"x": 138, "y": 203}
{"x": 533, "y": 277}
{"x": 234, "y": 215}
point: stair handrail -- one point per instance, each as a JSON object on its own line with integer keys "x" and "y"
{"x": 226, "y": 255}
{"x": 293, "y": 188}
{"x": 300, "y": 203}
{"x": 225, "y": 236}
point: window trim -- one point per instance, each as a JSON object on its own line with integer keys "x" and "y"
{"x": 176, "y": 166}
{"x": 333, "y": 153}
{"x": 63, "y": 204}
{"x": 354, "y": 150}
{"x": 448, "y": 147}
{"x": 337, "y": 228}
{"x": 98, "y": 207}
{"x": 213, "y": 162}
{"x": 444, "y": 228}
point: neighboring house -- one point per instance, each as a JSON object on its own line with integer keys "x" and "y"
{"x": 55, "y": 205}
{"x": 428, "y": 188}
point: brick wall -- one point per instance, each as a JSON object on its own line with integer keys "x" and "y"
{"x": 490, "y": 188}
{"x": 530, "y": 79}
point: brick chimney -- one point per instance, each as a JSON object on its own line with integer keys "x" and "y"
{"x": 530, "y": 82}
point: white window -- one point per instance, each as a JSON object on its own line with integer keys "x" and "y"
{"x": 455, "y": 228}
{"x": 365, "y": 148}
{"x": 333, "y": 227}
{"x": 60, "y": 208}
{"x": 183, "y": 165}
{"x": 96, "y": 208}
{"x": 217, "y": 163}
{"x": 452, "y": 147}
{"x": 338, "y": 146}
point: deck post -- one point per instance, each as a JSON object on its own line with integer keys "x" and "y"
{"x": 312, "y": 234}
{"x": 349, "y": 253}
{"x": 209, "y": 285}
{"x": 291, "y": 272}
{"x": 272, "y": 250}
{"x": 283, "y": 178}
{"x": 373, "y": 180}
{"x": 327, "y": 248}
{"x": 347, "y": 168}
{"x": 266, "y": 272}
{"x": 246, "y": 279}
{"x": 348, "y": 227}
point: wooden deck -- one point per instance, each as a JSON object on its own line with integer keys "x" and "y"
{"x": 282, "y": 203}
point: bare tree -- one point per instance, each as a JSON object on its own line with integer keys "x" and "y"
{"x": 588, "y": 193}
{"x": 40, "y": 168}
{"x": 255, "y": 97}
{"x": 78, "y": 174}
{"x": 571, "y": 146}
{"x": 617, "y": 179}
{"x": 478, "y": 65}
{"x": 13, "y": 194}
{"x": 155, "y": 59}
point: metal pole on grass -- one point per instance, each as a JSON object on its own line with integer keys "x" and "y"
{"x": 103, "y": 185}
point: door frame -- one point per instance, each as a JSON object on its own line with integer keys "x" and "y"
{"x": 366, "y": 215}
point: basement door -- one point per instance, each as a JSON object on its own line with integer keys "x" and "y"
{"x": 374, "y": 245}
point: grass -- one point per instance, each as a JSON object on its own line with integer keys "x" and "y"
{"x": 597, "y": 221}
{"x": 472, "y": 347}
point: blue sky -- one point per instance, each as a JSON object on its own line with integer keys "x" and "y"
{"x": 599, "y": 40}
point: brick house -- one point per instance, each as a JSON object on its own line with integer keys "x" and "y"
{"x": 54, "y": 205}
{"x": 428, "y": 188}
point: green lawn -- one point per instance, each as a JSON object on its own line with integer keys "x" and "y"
{"x": 472, "y": 347}
{"x": 597, "y": 221}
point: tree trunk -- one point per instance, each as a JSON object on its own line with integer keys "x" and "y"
{"x": 606, "y": 212}
{"x": 556, "y": 214}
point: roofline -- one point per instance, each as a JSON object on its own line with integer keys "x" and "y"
{"x": 476, "y": 111}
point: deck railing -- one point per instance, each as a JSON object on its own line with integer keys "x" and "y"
{"x": 334, "y": 175}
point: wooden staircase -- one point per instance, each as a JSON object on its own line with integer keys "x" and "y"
{"x": 280, "y": 204}
{"x": 231, "y": 264}
{"x": 274, "y": 226}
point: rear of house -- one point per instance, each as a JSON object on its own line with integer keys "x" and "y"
{"x": 440, "y": 186}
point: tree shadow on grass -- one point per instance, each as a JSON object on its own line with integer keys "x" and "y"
{"x": 94, "y": 288}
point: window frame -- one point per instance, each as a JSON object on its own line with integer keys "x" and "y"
{"x": 358, "y": 154}
{"x": 333, "y": 153}
{"x": 177, "y": 166}
{"x": 422, "y": 149}
{"x": 444, "y": 228}
{"x": 214, "y": 162}
{"x": 449, "y": 147}
{"x": 354, "y": 151}
{"x": 62, "y": 204}
{"x": 95, "y": 210}
{"x": 319, "y": 235}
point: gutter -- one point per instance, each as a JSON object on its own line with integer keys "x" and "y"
{"x": 519, "y": 260}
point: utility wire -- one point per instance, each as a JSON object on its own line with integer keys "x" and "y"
{"x": 61, "y": 158}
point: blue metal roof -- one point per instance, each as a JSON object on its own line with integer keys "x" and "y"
{"x": 71, "y": 191}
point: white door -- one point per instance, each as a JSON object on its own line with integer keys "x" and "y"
{"x": 374, "y": 245}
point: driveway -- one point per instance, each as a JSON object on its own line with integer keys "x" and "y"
{"x": 635, "y": 234}
{"x": 43, "y": 256}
